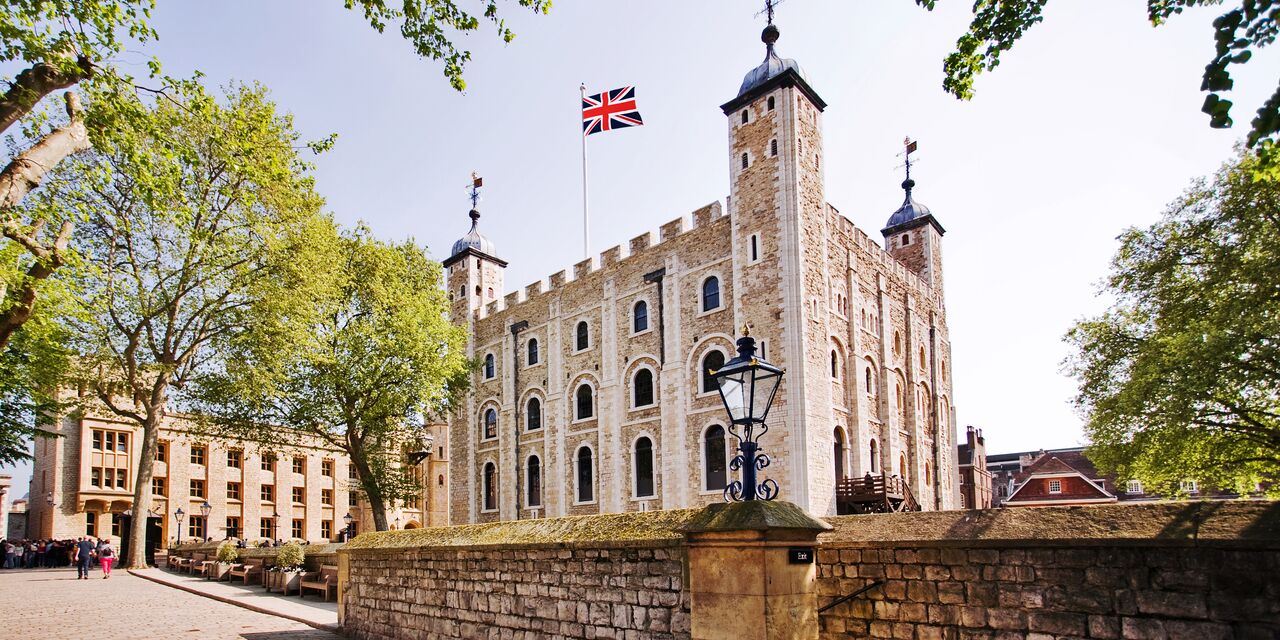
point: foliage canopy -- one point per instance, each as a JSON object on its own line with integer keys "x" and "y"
{"x": 1180, "y": 379}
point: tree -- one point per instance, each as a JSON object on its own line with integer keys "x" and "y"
{"x": 60, "y": 44}
{"x": 380, "y": 355}
{"x": 1248, "y": 26}
{"x": 200, "y": 223}
{"x": 1180, "y": 379}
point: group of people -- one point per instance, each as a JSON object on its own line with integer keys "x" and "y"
{"x": 84, "y": 553}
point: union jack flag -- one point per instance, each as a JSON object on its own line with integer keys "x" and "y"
{"x": 610, "y": 110}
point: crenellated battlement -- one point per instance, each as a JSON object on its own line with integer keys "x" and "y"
{"x": 668, "y": 232}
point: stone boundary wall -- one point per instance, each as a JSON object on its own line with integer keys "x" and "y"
{"x": 619, "y": 575}
{"x": 1203, "y": 570}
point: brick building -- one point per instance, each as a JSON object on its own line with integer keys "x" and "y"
{"x": 975, "y": 479}
{"x": 592, "y": 396}
{"x": 82, "y": 484}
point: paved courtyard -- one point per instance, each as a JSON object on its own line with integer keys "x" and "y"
{"x": 51, "y": 604}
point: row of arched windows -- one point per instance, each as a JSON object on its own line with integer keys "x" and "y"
{"x": 643, "y": 395}
{"x": 644, "y": 477}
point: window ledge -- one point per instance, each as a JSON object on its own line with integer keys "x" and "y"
{"x": 589, "y": 503}
{"x": 651, "y": 405}
{"x": 583, "y": 420}
{"x": 710, "y": 311}
{"x": 636, "y": 334}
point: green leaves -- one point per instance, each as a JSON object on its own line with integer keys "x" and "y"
{"x": 1181, "y": 378}
{"x": 431, "y": 26}
{"x": 998, "y": 24}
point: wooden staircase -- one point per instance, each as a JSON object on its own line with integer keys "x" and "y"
{"x": 874, "y": 494}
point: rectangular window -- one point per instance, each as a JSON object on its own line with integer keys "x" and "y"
{"x": 351, "y": 471}
{"x": 91, "y": 524}
{"x": 326, "y": 529}
{"x": 95, "y": 477}
{"x": 352, "y": 500}
{"x": 299, "y": 464}
{"x": 1135, "y": 486}
{"x": 1055, "y": 486}
{"x": 267, "y": 528}
{"x": 233, "y": 526}
{"x": 233, "y": 490}
{"x": 197, "y": 454}
{"x": 110, "y": 471}
{"x": 158, "y": 487}
{"x": 326, "y": 468}
{"x": 196, "y": 528}
{"x": 108, "y": 478}
{"x": 298, "y": 495}
{"x": 97, "y": 440}
{"x": 162, "y": 451}
{"x": 268, "y": 463}
{"x": 297, "y": 528}
{"x": 268, "y": 493}
{"x": 326, "y": 497}
{"x": 122, "y": 442}
{"x": 117, "y": 524}
{"x": 197, "y": 489}
{"x": 110, "y": 441}
{"x": 234, "y": 459}
{"x": 1190, "y": 486}
{"x": 121, "y": 478}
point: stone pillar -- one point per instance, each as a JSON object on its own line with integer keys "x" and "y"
{"x": 742, "y": 581}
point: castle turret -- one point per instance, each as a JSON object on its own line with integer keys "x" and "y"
{"x": 913, "y": 235}
{"x": 475, "y": 272}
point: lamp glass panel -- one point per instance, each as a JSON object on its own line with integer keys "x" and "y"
{"x": 734, "y": 390}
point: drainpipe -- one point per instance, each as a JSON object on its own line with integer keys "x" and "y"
{"x": 515, "y": 386}
{"x": 656, "y": 277}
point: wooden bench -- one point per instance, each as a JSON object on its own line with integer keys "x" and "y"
{"x": 195, "y": 561}
{"x": 324, "y": 580}
{"x": 246, "y": 571}
{"x": 204, "y": 567}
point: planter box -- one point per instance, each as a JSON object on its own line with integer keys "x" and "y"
{"x": 283, "y": 582}
{"x": 220, "y": 571}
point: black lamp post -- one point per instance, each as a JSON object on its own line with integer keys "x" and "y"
{"x": 205, "y": 508}
{"x": 747, "y": 386}
{"x": 346, "y": 532}
{"x": 178, "y": 515}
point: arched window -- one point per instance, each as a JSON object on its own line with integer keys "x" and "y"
{"x": 902, "y": 465}
{"x": 835, "y": 364}
{"x": 897, "y": 387}
{"x": 754, "y": 252}
{"x": 869, "y": 380}
{"x": 490, "y": 367}
{"x": 744, "y": 161}
{"x": 928, "y": 475}
{"x": 875, "y": 457}
{"x": 584, "y": 336}
{"x": 906, "y": 239}
{"x": 533, "y": 482}
{"x": 477, "y": 289}
{"x": 462, "y": 292}
{"x": 839, "y": 454}
{"x": 713, "y": 361}
{"x": 644, "y": 468}
{"x": 897, "y": 343}
{"x": 773, "y": 147}
{"x": 713, "y": 455}
{"x": 440, "y": 480}
{"x": 640, "y": 317}
{"x": 583, "y": 402}
{"x": 586, "y": 491}
{"x": 922, "y": 359}
{"x": 490, "y": 292}
{"x": 769, "y": 102}
{"x": 490, "y": 424}
{"x": 642, "y": 388}
{"x": 744, "y": 116}
{"x": 533, "y": 414}
{"x": 533, "y": 351}
{"x": 710, "y": 293}
{"x": 490, "y": 487}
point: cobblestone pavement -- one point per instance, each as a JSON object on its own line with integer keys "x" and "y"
{"x": 51, "y": 604}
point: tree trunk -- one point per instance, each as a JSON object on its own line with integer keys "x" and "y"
{"x": 368, "y": 483}
{"x": 142, "y": 490}
{"x": 32, "y": 85}
{"x": 24, "y": 173}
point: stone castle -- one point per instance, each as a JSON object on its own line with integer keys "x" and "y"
{"x": 593, "y": 394}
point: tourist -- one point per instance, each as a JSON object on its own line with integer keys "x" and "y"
{"x": 10, "y": 554}
{"x": 84, "y": 550}
{"x": 106, "y": 556}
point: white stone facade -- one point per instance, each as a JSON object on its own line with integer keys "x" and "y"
{"x": 860, "y": 330}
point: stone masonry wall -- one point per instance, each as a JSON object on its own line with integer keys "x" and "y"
{"x": 1173, "y": 570}
{"x": 613, "y": 576}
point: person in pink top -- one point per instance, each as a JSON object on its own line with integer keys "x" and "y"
{"x": 106, "y": 557}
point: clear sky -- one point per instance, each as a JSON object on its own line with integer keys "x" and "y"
{"x": 1090, "y": 125}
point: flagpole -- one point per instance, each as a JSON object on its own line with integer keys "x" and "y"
{"x": 586, "y": 221}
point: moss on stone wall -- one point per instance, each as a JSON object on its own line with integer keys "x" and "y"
{"x": 650, "y": 526}
{"x": 1224, "y": 521}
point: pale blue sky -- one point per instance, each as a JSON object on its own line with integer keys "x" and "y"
{"x": 1090, "y": 125}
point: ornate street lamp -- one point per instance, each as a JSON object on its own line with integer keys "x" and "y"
{"x": 178, "y": 515}
{"x": 346, "y": 532}
{"x": 747, "y": 386}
